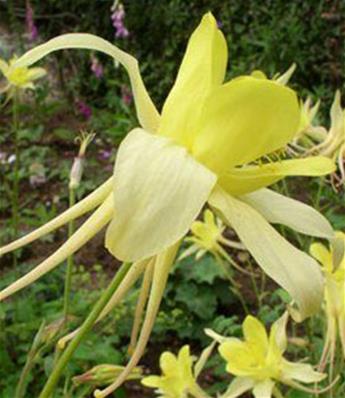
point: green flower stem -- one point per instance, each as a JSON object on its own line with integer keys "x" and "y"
{"x": 30, "y": 362}
{"x": 235, "y": 288}
{"x": 85, "y": 328}
{"x": 70, "y": 260}
{"x": 15, "y": 193}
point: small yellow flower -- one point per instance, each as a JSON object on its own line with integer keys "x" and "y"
{"x": 258, "y": 362}
{"x": 207, "y": 236}
{"x": 333, "y": 266}
{"x": 18, "y": 77}
{"x": 178, "y": 379}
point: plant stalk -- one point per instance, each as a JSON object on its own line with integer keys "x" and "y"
{"x": 85, "y": 328}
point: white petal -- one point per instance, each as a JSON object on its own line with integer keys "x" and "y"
{"x": 278, "y": 209}
{"x": 159, "y": 191}
{"x": 291, "y": 268}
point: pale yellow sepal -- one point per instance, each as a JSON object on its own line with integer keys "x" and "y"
{"x": 239, "y": 181}
{"x": 160, "y": 189}
{"x": 146, "y": 111}
{"x": 279, "y": 209}
{"x": 244, "y": 120}
{"x": 291, "y": 268}
{"x": 203, "y": 68}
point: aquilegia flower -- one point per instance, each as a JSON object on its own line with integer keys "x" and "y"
{"x": 207, "y": 237}
{"x": 199, "y": 150}
{"x": 333, "y": 267}
{"x": 96, "y": 67}
{"x": 179, "y": 376}
{"x": 118, "y": 20}
{"x": 18, "y": 78}
{"x": 258, "y": 363}
{"x": 333, "y": 145}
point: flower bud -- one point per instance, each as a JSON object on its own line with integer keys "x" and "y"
{"x": 104, "y": 374}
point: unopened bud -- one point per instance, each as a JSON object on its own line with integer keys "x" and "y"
{"x": 104, "y": 374}
{"x": 76, "y": 172}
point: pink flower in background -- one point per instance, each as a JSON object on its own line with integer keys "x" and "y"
{"x": 126, "y": 95}
{"x": 96, "y": 67}
{"x": 84, "y": 109}
{"x": 31, "y": 28}
{"x": 118, "y": 16}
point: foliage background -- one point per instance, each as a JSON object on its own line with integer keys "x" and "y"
{"x": 267, "y": 35}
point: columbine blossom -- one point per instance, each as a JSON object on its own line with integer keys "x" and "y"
{"x": 207, "y": 236}
{"x": 333, "y": 143}
{"x": 203, "y": 148}
{"x": 258, "y": 362}
{"x": 18, "y": 78}
{"x": 178, "y": 379}
{"x": 31, "y": 27}
{"x": 118, "y": 17}
{"x": 333, "y": 267}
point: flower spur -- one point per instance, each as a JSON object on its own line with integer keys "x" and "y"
{"x": 200, "y": 149}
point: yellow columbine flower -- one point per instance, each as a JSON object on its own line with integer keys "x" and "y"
{"x": 333, "y": 144}
{"x": 178, "y": 379}
{"x": 201, "y": 148}
{"x": 18, "y": 78}
{"x": 207, "y": 236}
{"x": 258, "y": 362}
{"x": 333, "y": 267}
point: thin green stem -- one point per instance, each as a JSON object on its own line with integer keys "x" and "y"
{"x": 255, "y": 285}
{"x": 235, "y": 288}
{"x": 84, "y": 329}
{"x": 15, "y": 192}
{"x": 30, "y": 361}
{"x": 70, "y": 260}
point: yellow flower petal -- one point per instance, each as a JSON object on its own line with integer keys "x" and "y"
{"x": 301, "y": 372}
{"x": 239, "y": 386}
{"x": 279, "y": 209}
{"x": 3, "y": 67}
{"x": 159, "y": 191}
{"x": 36, "y": 73}
{"x": 239, "y": 357}
{"x": 322, "y": 255}
{"x": 168, "y": 363}
{"x": 239, "y": 181}
{"x": 151, "y": 381}
{"x": 91, "y": 201}
{"x": 244, "y": 120}
{"x": 278, "y": 330}
{"x": 291, "y": 268}
{"x": 255, "y": 333}
{"x": 91, "y": 226}
{"x": 147, "y": 113}
{"x": 263, "y": 389}
{"x": 203, "y": 67}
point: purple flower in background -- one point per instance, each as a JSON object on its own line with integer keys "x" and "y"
{"x": 31, "y": 28}
{"x": 105, "y": 154}
{"x": 118, "y": 16}
{"x": 126, "y": 95}
{"x": 96, "y": 67}
{"x": 84, "y": 109}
